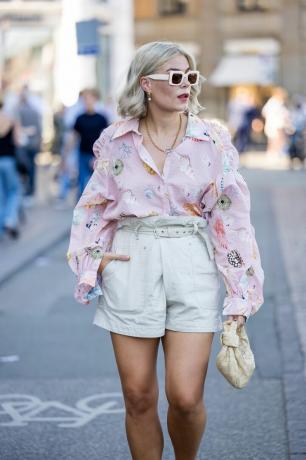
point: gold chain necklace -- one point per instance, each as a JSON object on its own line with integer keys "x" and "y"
{"x": 166, "y": 150}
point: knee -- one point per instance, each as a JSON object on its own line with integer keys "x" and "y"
{"x": 185, "y": 403}
{"x": 138, "y": 401}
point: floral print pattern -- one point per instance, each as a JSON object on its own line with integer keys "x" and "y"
{"x": 250, "y": 271}
{"x": 117, "y": 166}
{"x": 224, "y": 202}
{"x": 200, "y": 178}
{"x": 234, "y": 258}
{"x": 95, "y": 253}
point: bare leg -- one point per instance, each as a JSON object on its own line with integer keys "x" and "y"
{"x": 186, "y": 430}
{"x": 136, "y": 361}
{"x": 185, "y": 379}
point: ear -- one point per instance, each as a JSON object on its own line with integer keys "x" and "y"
{"x": 145, "y": 84}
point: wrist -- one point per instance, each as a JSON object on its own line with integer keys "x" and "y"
{"x": 100, "y": 268}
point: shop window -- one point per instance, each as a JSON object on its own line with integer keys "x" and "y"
{"x": 168, "y": 7}
{"x": 252, "y": 5}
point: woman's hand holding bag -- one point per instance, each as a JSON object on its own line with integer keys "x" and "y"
{"x": 235, "y": 360}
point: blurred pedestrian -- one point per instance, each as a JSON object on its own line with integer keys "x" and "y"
{"x": 277, "y": 122}
{"x": 297, "y": 137}
{"x": 10, "y": 187}
{"x": 248, "y": 112}
{"x": 106, "y": 109}
{"x": 57, "y": 148}
{"x": 235, "y": 109}
{"x": 31, "y": 136}
{"x": 87, "y": 128}
{"x": 59, "y": 130}
{"x": 165, "y": 191}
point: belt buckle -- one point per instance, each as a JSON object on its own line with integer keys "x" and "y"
{"x": 155, "y": 232}
{"x": 164, "y": 231}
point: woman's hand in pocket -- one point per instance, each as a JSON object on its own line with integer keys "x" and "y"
{"x": 108, "y": 256}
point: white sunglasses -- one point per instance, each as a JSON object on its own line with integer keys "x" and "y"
{"x": 176, "y": 77}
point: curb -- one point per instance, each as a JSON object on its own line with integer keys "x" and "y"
{"x": 31, "y": 258}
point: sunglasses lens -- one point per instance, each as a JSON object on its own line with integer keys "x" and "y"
{"x": 193, "y": 78}
{"x": 176, "y": 78}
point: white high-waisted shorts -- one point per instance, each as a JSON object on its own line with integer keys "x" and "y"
{"x": 171, "y": 280}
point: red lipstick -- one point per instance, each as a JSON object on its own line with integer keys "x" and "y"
{"x": 183, "y": 97}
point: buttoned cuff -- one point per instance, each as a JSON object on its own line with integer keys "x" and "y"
{"x": 236, "y": 306}
{"x": 88, "y": 277}
{"x": 84, "y": 293}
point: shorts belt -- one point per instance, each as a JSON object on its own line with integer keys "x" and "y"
{"x": 173, "y": 231}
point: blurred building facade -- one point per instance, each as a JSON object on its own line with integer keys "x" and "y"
{"x": 250, "y": 44}
{"x": 59, "y": 47}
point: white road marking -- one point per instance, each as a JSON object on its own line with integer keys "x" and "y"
{"x": 21, "y": 409}
{"x": 9, "y": 359}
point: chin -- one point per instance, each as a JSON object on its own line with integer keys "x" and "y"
{"x": 183, "y": 105}
{"x": 180, "y": 107}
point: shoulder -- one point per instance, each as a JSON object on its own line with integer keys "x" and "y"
{"x": 79, "y": 119}
{"x": 212, "y": 127}
{"x": 221, "y": 136}
{"x": 108, "y": 133}
{"x": 222, "y": 139}
{"x": 7, "y": 120}
{"x": 105, "y": 138}
{"x": 103, "y": 118}
{"x": 217, "y": 128}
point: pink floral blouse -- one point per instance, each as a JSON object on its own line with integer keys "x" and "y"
{"x": 200, "y": 178}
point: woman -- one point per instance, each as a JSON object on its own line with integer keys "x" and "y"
{"x": 277, "y": 121}
{"x": 10, "y": 189}
{"x": 163, "y": 213}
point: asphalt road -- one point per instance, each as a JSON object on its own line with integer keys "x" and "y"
{"x": 60, "y": 394}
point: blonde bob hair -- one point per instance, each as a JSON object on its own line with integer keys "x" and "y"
{"x": 132, "y": 102}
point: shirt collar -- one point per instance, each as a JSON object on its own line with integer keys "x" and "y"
{"x": 125, "y": 126}
{"x": 195, "y": 128}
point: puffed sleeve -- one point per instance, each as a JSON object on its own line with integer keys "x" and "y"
{"x": 92, "y": 230}
{"x": 227, "y": 203}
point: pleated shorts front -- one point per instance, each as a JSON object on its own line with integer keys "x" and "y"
{"x": 168, "y": 282}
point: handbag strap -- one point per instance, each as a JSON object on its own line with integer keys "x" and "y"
{"x": 229, "y": 340}
{"x": 229, "y": 336}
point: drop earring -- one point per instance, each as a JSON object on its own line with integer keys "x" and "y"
{"x": 149, "y": 96}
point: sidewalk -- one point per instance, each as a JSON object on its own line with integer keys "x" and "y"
{"x": 45, "y": 223}
{"x": 260, "y": 160}
{"x": 44, "y": 227}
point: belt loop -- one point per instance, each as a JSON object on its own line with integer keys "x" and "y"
{"x": 209, "y": 246}
{"x": 136, "y": 231}
{"x": 155, "y": 232}
{"x": 195, "y": 228}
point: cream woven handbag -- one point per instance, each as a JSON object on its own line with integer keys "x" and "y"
{"x": 235, "y": 360}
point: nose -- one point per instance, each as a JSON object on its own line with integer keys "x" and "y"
{"x": 185, "y": 81}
